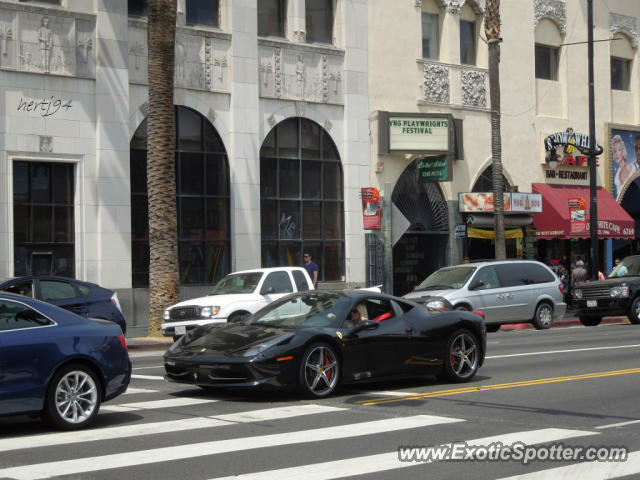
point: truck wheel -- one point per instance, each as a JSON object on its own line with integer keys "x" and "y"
{"x": 237, "y": 317}
{"x": 634, "y": 312}
{"x": 590, "y": 321}
{"x": 543, "y": 317}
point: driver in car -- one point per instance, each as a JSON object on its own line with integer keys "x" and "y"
{"x": 356, "y": 316}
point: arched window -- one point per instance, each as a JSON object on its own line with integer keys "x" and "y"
{"x": 484, "y": 183}
{"x": 622, "y": 55}
{"x": 202, "y": 201}
{"x": 547, "y": 50}
{"x": 301, "y": 200}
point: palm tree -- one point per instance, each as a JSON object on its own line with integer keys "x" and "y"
{"x": 492, "y": 32}
{"x": 161, "y": 184}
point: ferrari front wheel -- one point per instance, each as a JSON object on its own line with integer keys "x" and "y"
{"x": 319, "y": 371}
{"x": 461, "y": 357}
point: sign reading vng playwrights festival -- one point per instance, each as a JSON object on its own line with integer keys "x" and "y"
{"x": 419, "y": 134}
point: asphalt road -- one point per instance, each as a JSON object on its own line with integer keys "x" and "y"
{"x": 575, "y": 387}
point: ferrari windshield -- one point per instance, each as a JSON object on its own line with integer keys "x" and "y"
{"x": 447, "y": 278}
{"x": 238, "y": 283}
{"x": 304, "y": 311}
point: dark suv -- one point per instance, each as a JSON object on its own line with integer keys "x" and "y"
{"x": 618, "y": 294}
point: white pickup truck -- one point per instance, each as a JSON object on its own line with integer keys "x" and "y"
{"x": 236, "y": 296}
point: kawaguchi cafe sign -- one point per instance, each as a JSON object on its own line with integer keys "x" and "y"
{"x": 567, "y": 158}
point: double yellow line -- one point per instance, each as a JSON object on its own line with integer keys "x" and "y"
{"x": 484, "y": 388}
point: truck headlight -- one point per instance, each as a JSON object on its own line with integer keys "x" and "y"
{"x": 619, "y": 292}
{"x": 208, "y": 312}
{"x": 166, "y": 315}
{"x": 577, "y": 293}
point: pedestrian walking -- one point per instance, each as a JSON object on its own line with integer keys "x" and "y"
{"x": 311, "y": 267}
{"x": 579, "y": 274}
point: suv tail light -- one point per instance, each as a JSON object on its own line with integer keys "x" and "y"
{"x": 561, "y": 288}
{"x": 116, "y": 302}
{"x": 123, "y": 342}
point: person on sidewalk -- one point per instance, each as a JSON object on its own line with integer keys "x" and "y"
{"x": 579, "y": 274}
{"x": 311, "y": 267}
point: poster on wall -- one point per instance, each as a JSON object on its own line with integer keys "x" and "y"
{"x": 623, "y": 157}
{"x": 578, "y": 215}
{"x": 370, "y": 208}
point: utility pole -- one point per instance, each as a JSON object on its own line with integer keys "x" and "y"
{"x": 593, "y": 180}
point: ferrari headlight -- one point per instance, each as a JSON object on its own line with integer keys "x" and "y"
{"x": 208, "y": 312}
{"x": 619, "y": 291}
{"x": 266, "y": 345}
{"x": 577, "y": 293}
{"x": 436, "y": 305}
{"x": 166, "y": 315}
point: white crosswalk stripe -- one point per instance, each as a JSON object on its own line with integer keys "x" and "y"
{"x": 65, "y": 438}
{"x": 389, "y": 460}
{"x": 156, "y": 404}
{"x": 148, "y": 377}
{"x": 179, "y": 452}
{"x": 138, "y": 390}
{"x": 587, "y": 470}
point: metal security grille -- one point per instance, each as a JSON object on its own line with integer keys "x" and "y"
{"x": 375, "y": 259}
{"x": 422, "y": 203}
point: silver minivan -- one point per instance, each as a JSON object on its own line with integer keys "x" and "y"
{"x": 508, "y": 291}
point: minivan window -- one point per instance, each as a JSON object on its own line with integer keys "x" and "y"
{"x": 488, "y": 277}
{"x": 537, "y": 273}
{"x": 512, "y": 274}
{"x": 446, "y": 278}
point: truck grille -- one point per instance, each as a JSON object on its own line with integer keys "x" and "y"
{"x": 184, "y": 313}
{"x": 595, "y": 291}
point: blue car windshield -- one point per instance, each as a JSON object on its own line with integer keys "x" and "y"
{"x": 304, "y": 311}
{"x": 447, "y": 278}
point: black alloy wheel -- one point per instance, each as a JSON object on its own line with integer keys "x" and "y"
{"x": 461, "y": 356}
{"x": 543, "y": 318}
{"x": 319, "y": 371}
{"x": 590, "y": 320}
{"x": 73, "y": 397}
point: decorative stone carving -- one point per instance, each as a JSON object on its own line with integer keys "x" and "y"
{"x": 266, "y": 69}
{"x": 452, "y": 6}
{"x": 624, "y": 24}
{"x": 138, "y": 51}
{"x": 474, "y": 91}
{"x": 336, "y": 78}
{"x": 271, "y": 120}
{"x": 300, "y": 36}
{"x": 190, "y": 61}
{"x": 436, "y": 83}
{"x": 211, "y": 115}
{"x": 207, "y": 63}
{"x": 554, "y": 10}
{"x": 325, "y": 80}
{"x": 6, "y": 34}
{"x": 46, "y": 143}
{"x": 84, "y": 45}
{"x": 328, "y": 125}
{"x": 277, "y": 74}
{"x": 419, "y": 3}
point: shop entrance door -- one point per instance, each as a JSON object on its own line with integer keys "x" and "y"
{"x": 422, "y": 248}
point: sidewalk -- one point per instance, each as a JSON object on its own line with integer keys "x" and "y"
{"x": 568, "y": 320}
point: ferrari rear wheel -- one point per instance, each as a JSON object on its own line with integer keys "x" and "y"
{"x": 73, "y": 398}
{"x": 319, "y": 371}
{"x": 461, "y": 362}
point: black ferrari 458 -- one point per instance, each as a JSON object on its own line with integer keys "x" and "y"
{"x": 317, "y": 340}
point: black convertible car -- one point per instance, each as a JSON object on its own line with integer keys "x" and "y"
{"x": 316, "y": 340}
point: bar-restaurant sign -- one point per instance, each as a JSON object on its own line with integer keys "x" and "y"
{"x": 416, "y": 133}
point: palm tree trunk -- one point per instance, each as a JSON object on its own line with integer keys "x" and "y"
{"x": 492, "y": 31}
{"x": 161, "y": 184}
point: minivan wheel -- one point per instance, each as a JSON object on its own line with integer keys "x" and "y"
{"x": 634, "y": 313}
{"x": 543, "y": 317}
{"x": 590, "y": 320}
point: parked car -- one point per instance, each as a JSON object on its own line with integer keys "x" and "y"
{"x": 83, "y": 298}
{"x": 235, "y": 297}
{"x": 311, "y": 341}
{"x": 508, "y": 291}
{"x": 618, "y": 294}
{"x": 57, "y": 363}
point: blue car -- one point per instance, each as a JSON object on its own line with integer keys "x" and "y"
{"x": 57, "y": 363}
{"x": 83, "y": 298}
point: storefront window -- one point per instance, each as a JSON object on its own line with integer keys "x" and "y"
{"x": 319, "y": 20}
{"x": 43, "y": 219}
{"x": 202, "y": 188}
{"x": 302, "y": 207}
{"x": 271, "y": 15}
{"x": 202, "y": 12}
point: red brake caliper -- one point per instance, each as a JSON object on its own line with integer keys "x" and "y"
{"x": 453, "y": 357}
{"x": 327, "y": 362}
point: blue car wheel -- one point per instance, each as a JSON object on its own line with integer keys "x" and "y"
{"x": 73, "y": 397}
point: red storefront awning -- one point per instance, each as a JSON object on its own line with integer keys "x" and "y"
{"x": 555, "y": 220}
